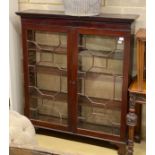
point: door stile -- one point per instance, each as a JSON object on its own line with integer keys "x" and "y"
{"x": 72, "y": 78}
{"x": 25, "y": 68}
{"x": 126, "y": 81}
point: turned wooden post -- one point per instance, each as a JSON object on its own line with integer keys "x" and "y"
{"x": 141, "y": 60}
{"x": 131, "y": 122}
{"x": 140, "y": 40}
{"x": 137, "y": 92}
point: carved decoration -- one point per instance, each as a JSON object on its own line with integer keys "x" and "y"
{"x": 131, "y": 119}
{"x": 130, "y": 147}
{"x": 132, "y": 102}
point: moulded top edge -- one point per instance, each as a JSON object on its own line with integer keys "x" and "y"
{"x": 127, "y": 18}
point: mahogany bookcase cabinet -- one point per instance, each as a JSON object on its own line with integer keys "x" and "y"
{"x": 77, "y": 72}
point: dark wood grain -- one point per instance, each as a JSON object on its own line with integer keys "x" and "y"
{"x": 111, "y": 25}
{"x": 124, "y": 18}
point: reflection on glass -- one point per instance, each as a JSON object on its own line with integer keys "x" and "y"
{"x": 100, "y": 83}
{"x": 48, "y": 76}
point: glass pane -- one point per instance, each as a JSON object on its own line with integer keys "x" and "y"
{"x": 100, "y": 68}
{"x": 48, "y": 76}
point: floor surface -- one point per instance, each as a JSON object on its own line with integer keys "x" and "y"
{"x": 63, "y": 145}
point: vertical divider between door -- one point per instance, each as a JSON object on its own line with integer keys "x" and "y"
{"x": 72, "y": 64}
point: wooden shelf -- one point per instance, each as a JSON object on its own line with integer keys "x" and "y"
{"x": 99, "y": 102}
{"x": 51, "y": 70}
{"x": 94, "y": 75}
{"x": 135, "y": 89}
{"x": 52, "y": 119}
{"x": 117, "y": 54}
{"x": 61, "y": 96}
{"x": 63, "y": 71}
{"x": 34, "y": 46}
{"x": 36, "y": 92}
{"x": 108, "y": 129}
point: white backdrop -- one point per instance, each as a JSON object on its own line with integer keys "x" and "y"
{"x": 15, "y": 58}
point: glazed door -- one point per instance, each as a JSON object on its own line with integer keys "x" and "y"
{"x": 46, "y": 72}
{"x": 100, "y": 83}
